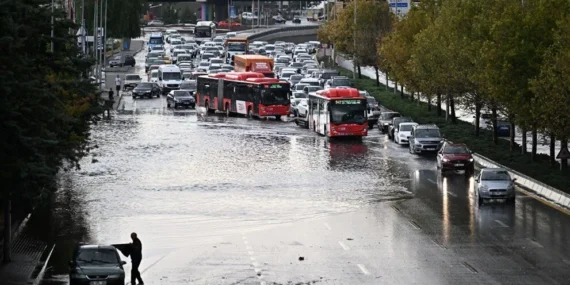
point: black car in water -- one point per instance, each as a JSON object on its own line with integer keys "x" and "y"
{"x": 127, "y": 60}
{"x": 96, "y": 264}
{"x": 146, "y": 89}
{"x": 180, "y": 98}
{"x": 297, "y": 20}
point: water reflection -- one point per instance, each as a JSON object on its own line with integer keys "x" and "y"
{"x": 348, "y": 155}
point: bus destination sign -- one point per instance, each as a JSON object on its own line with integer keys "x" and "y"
{"x": 273, "y": 86}
{"x": 348, "y": 102}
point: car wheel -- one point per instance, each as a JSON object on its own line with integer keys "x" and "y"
{"x": 175, "y": 106}
{"x": 227, "y": 110}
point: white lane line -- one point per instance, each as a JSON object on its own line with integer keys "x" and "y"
{"x": 534, "y": 242}
{"x": 343, "y": 245}
{"x": 327, "y": 226}
{"x": 363, "y": 269}
{"x": 431, "y": 180}
{"x": 501, "y": 223}
{"x": 414, "y": 225}
{"x": 451, "y": 194}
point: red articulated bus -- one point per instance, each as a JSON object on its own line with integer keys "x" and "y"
{"x": 338, "y": 112}
{"x": 247, "y": 93}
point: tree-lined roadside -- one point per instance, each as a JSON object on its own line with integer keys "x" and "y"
{"x": 47, "y": 105}
{"x": 507, "y": 57}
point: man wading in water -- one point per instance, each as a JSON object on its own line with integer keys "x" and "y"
{"x": 136, "y": 258}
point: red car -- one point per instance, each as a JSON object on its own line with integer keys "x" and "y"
{"x": 225, "y": 24}
{"x": 455, "y": 156}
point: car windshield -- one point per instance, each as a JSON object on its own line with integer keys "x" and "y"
{"x": 155, "y": 41}
{"x": 287, "y": 74}
{"x": 495, "y": 175}
{"x": 453, "y": 149}
{"x": 184, "y": 58}
{"x": 348, "y": 111}
{"x": 341, "y": 82}
{"x": 97, "y": 256}
{"x": 204, "y": 63}
{"x": 406, "y": 128}
{"x": 203, "y": 32}
{"x": 275, "y": 97}
{"x": 313, "y": 88}
{"x": 207, "y": 56}
{"x": 300, "y": 95}
{"x": 300, "y": 86}
{"x": 171, "y": 76}
{"x": 371, "y": 101}
{"x": 296, "y": 77}
{"x": 132, "y": 77}
{"x": 217, "y": 60}
{"x": 154, "y": 75}
{"x": 311, "y": 82}
{"x": 181, "y": 94}
{"x": 144, "y": 85}
{"x": 427, "y": 133}
{"x": 296, "y": 64}
{"x": 389, "y": 116}
{"x": 188, "y": 85}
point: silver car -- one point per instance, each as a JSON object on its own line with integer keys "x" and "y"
{"x": 495, "y": 183}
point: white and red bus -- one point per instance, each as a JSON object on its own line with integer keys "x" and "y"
{"x": 338, "y": 112}
{"x": 247, "y": 93}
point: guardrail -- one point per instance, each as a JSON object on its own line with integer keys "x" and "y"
{"x": 278, "y": 32}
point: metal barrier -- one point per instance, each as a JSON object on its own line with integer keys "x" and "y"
{"x": 283, "y": 30}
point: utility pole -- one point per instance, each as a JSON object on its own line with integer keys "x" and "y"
{"x": 105, "y": 37}
{"x": 258, "y": 14}
{"x": 95, "y": 54}
{"x": 354, "y": 47}
{"x": 101, "y": 55}
{"x": 52, "y": 26}
{"x": 83, "y": 30}
{"x": 229, "y": 15}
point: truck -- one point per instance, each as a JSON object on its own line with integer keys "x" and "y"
{"x": 254, "y": 63}
{"x": 233, "y": 46}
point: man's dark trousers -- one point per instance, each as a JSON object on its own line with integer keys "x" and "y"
{"x": 135, "y": 274}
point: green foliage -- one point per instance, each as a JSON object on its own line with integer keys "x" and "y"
{"x": 169, "y": 14}
{"x": 187, "y": 15}
{"x": 46, "y": 106}
{"x": 540, "y": 169}
{"x": 123, "y": 17}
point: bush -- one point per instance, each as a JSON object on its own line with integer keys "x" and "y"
{"x": 463, "y": 132}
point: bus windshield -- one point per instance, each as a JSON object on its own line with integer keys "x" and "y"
{"x": 275, "y": 97}
{"x": 236, "y": 46}
{"x": 348, "y": 112}
{"x": 203, "y": 32}
{"x": 156, "y": 41}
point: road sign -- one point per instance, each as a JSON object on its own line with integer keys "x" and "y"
{"x": 563, "y": 153}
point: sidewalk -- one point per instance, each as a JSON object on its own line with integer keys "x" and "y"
{"x": 136, "y": 47}
{"x": 29, "y": 259}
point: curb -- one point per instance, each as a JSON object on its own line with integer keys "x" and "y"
{"x": 43, "y": 263}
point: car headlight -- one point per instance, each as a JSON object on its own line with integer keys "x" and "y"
{"x": 444, "y": 159}
{"x": 484, "y": 188}
{"x": 470, "y": 160}
{"x": 77, "y": 275}
{"x": 115, "y": 276}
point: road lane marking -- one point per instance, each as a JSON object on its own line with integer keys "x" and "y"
{"x": 431, "y": 180}
{"x": 344, "y": 246}
{"x": 363, "y": 269}
{"x": 327, "y": 226}
{"x": 437, "y": 243}
{"x": 397, "y": 209}
{"x": 501, "y": 223}
{"x": 469, "y": 267}
{"x": 535, "y": 242}
{"x": 414, "y": 225}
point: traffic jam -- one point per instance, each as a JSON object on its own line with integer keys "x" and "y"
{"x": 226, "y": 74}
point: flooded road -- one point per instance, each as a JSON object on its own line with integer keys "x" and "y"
{"x": 219, "y": 200}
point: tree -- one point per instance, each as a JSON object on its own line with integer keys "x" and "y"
{"x": 123, "y": 17}
{"x": 187, "y": 15}
{"x": 552, "y": 85}
{"x": 169, "y": 14}
{"x": 45, "y": 122}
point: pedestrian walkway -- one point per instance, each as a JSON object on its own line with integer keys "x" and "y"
{"x": 29, "y": 257}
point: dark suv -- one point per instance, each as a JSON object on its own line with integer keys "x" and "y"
{"x": 455, "y": 157}
{"x": 127, "y": 60}
{"x": 425, "y": 138}
{"x": 96, "y": 264}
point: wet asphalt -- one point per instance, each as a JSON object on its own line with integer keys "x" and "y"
{"x": 219, "y": 200}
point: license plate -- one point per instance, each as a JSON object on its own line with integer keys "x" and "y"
{"x": 98, "y": 283}
{"x": 430, "y": 148}
{"x": 459, "y": 165}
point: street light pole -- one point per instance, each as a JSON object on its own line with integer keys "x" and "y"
{"x": 105, "y": 36}
{"x": 354, "y": 47}
{"x": 83, "y": 32}
{"x": 52, "y": 31}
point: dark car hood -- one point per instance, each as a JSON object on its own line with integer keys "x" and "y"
{"x": 184, "y": 97}
{"x": 189, "y": 90}
{"x": 141, "y": 89}
{"x": 459, "y": 156}
{"x": 100, "y": 269}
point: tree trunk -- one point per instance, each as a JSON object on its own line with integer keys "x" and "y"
{"x": 395, "y": 87}
{"x": 446, "y": 107}
{"x": 523, "y": 143}
{"x": 402, "y": 90}
{"x": 563, "y": 162}
{"x": 452, "y": 106}
{"x": 359, "y": 71}
{"x": 377, "y": 76}
{"x": 534, "y": 144}
{"x": 478, "y": 107}
{"x": 494, "y": 122}
{"x": 412, "y": 96}
{"x": 428, "y": 103}
{"x": 438, "y": 104}
{"x": 7, "y": 229}
{"x": 386, "y": 80}
{"x": 552, "y": 157}
{"x": 512, "y": 135}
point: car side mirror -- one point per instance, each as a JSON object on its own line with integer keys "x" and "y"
{"x": 514, "y": 179}
{"x": 123, "y": 262}
{"x": 160, "y": 78}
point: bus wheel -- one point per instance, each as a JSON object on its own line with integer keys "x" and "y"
{"x": 278, "y": 117}
{"x": 326, "y": 133}
{"x": 227, "y": 110}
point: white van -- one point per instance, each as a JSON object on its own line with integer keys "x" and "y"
{"x": 169, "y": 78}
